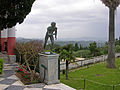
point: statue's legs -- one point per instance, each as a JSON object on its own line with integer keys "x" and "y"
{"x": 52, "y": 42}
{"x": 46, "y": 39}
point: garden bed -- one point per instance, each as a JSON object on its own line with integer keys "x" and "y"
{"x": 26, "y": 76}
{"x": 27, "y": 80}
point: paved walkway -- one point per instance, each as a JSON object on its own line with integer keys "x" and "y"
{"x": 9, "y": 81}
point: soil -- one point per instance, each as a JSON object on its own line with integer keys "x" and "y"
{"x": 28, "y": 80}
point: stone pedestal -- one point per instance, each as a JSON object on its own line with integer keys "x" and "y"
{"x": 48, "y": 66}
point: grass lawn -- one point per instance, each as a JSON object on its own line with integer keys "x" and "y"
{"x": 97, "y": 77}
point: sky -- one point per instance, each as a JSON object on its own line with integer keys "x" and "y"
{"x": 74, "y": 18}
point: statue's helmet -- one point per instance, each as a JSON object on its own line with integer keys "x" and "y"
{"x": 53, "y": 23}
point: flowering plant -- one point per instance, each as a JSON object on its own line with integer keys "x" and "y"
{"x": 23, "y": 69}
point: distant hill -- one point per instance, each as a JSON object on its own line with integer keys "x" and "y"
{"x": 63, "y": 42}
{"x": 22, "y": 40}
{"x": 84, "y": 39}
{"x": 83, "y": 43}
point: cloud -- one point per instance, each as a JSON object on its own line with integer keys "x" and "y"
{"x": 75, "y": 19}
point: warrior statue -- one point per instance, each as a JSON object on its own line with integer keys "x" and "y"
{"x": 51, "y": 30}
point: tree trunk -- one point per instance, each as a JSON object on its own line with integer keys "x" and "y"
{"x": 111, "y": 43}
{"x": 67, "y": 70}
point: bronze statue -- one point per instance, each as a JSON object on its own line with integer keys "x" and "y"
{"x": 51, "y": 30}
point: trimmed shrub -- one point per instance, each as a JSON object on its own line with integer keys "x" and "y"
{"x": 1, "y": 66}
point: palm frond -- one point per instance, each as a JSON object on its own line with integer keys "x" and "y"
{"x": 111, "y": 3}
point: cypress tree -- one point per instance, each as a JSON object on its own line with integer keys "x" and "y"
{"x": 76, "y": 48}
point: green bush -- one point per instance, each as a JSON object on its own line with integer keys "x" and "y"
{"x": 117, "y": 48}
{"x": 1, "y": 66}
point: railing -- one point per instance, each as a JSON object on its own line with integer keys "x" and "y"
{"x": 81, "y": 63}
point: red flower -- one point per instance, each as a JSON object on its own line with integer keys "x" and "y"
{"x": 25, "y": 72}
{"x": 16, "y": 67}
{"x": 20, "y": 69}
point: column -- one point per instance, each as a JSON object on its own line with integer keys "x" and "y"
{"x": 11, "y": 44}
{"x": 4, "y": 37}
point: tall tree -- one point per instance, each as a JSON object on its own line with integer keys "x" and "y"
{"x": 94, "y": 49}
{"x": 81, "y": 47}
{"x": 76, "y": 48}
{"x": 112, "y": 5}
{"x": 13, "y": 12}
{"x": 119, "y": 40}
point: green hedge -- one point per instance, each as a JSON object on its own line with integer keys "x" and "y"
{"x": 1, "y": 66}
{"x": 83, "y": 53}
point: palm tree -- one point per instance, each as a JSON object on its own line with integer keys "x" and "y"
{"x": 112, "y": 5}
{"x": 68, "y": 56}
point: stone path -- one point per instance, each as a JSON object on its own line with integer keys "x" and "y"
{"x": 9, "y": 81}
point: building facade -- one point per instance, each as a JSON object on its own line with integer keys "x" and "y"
{"x": 8, "y": 41}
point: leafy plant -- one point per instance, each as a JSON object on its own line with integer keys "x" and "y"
{"x": 1, "y": 66}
